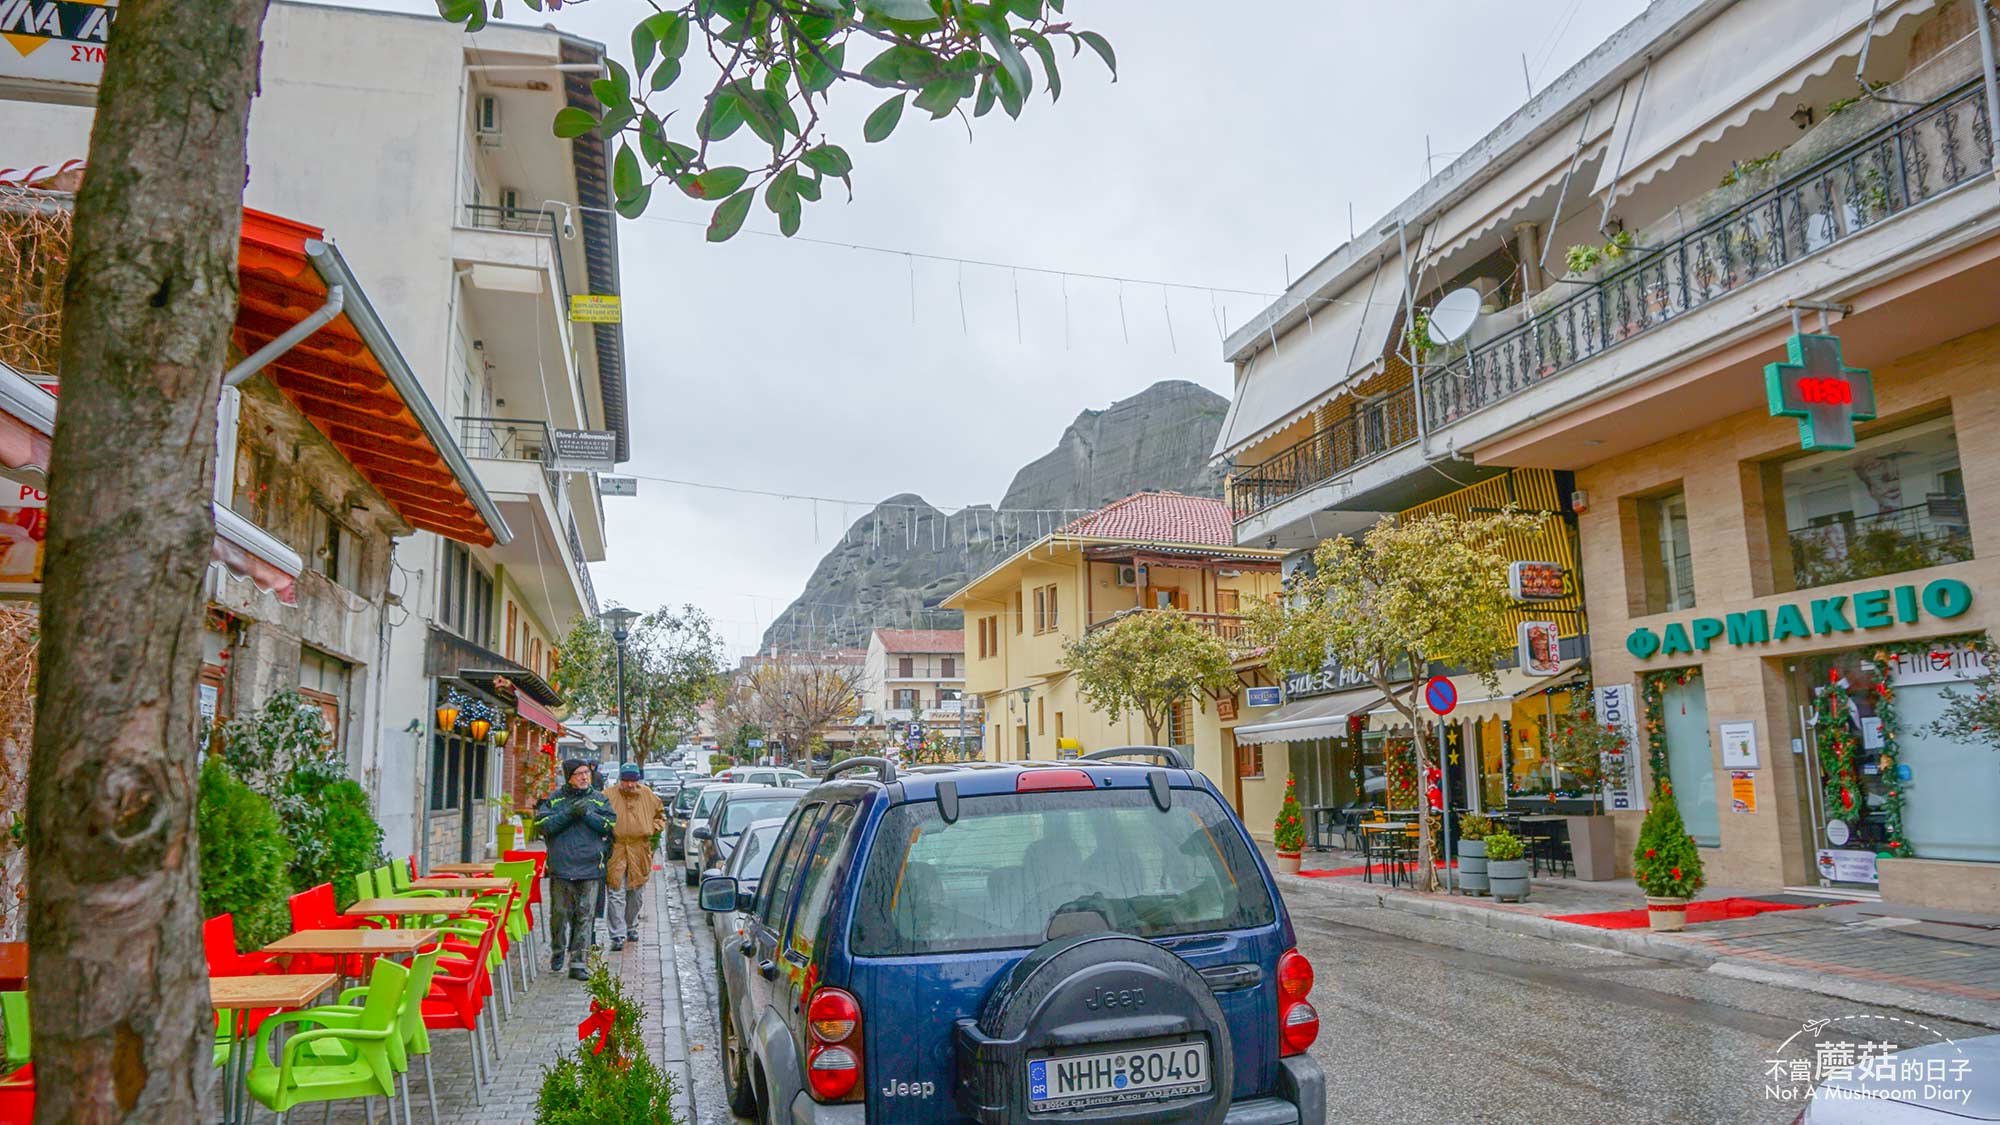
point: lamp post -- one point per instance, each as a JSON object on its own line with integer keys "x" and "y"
{"x": 620, "y": 619}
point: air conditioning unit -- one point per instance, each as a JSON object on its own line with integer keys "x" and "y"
{"x": 486, "y": 122}
{"x": 1131, "y": 576}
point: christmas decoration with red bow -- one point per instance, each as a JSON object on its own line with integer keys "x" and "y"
{"x": 599, "y": 1023}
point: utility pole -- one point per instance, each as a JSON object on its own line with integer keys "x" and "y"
{"x": 620, "y": 620}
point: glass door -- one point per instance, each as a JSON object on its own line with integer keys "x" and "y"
{"x": 1691, "y": 760}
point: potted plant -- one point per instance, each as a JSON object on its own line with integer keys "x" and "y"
{"x": 1586, "y": 751}
{"x": 1473, "y": 828}
{"x": 504, "y": 833}
{"x": 1288, "y": 834}
{"x": 1666, "y": 864}
{"x": 1506, "y": 869}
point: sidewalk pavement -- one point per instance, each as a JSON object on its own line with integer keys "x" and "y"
{"x": 543, "y": 1027}
{"x": 1932, "y": 962}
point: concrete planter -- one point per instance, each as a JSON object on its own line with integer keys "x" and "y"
{"x": 1666, "y": 915}
{"x": 1472, "y": 866}
{"x": 1289, "y": 864}
{"x": 1508, "y": 878}
{"x": 1593, "y": 846}
{"x": 505, "y": 835}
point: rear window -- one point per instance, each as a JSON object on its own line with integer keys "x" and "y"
{"x": 705, "y": 803}
{"x": 1010, "y": 864}
{"x": 740, "y": 814}
{"x": 685, "y": 799}
{"x": 755, "y": 851}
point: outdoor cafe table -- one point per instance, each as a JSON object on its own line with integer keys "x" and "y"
{"x": 476, "y": 885}
{"x": 241, "y": 995}
{"x": 13, "y": 966}
{"x": 463, "y": 868}
{"x": 409, "y": 907}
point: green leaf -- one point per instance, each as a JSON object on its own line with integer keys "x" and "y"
{"x": 680, "y": 155}
{"x": 939, "y": 97}
{"x": 1102, "y": 46}
{"x": 916, "y": 10}
{"x": 671, "y": 29}
{"x": 643, "y": 45}
{"x": 814, "y": 75}
{"x": 721, "y": 118}
{"x": 729, "y": 215}
{"x": 1027, "y": 9}
{"x": 758, "y": 113}
{"x": 883, "y": 121}
{"x": 994, "y": 31}
{"x": 471, "y": 13}
{"x": 615, "y": 119}
{"x": 652, "y": 140}
{"x": 831, "y": 160}
{"x": 626, "y": 179}
{"x": 901, "y": 66}
{"x": 666, "y": 74}
{"x": 1047, "y": 50}
{"x": 573, "y": 122}
{"x": 808, "y": 187}
{"x": 989, "y": 89}
{"x": 777, "y": 78}
{"x": 634, "y": 205}
{"x": 781, "y": 188}
{"x": 789, "y": 215}
{"x": 719, "y": 182}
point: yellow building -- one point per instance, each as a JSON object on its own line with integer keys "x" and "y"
{"x": 1148, "y": 551}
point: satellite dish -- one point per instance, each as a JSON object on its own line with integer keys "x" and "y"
{"x": 1452, "y": 316}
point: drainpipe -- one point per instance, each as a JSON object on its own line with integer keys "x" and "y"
{"x": 336, "y": 297}
{"x": 1992, "y": 82}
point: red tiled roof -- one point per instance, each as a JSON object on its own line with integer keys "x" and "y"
{"x": 1159, "y": 517}
{"x": 922, "y": 640}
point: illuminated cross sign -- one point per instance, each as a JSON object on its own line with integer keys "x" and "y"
{"x": 1826, "y": 396}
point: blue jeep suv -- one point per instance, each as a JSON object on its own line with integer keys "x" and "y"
{"x": 1087, "y": 940}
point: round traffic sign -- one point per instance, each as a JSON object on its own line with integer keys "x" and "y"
{"x": 1440, "y": 695}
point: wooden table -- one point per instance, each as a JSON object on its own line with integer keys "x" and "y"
{"x": 472, "y": 884}
{"x": 409, "y": 907}
{"x": 463, "y": 868}
{"x": 13, "y": 966}
{"x": 366, "y": 943}
{"x": 238, "y": 996}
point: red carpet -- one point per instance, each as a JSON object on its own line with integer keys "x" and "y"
{"x": 1340, "y": 871}
{"x": 1707, "y": 910}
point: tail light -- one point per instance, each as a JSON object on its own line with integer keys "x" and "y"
{"x": 1298, "y": 1020}
{"x": 1041, "y": 780}
{"x": 833, "y": 1059}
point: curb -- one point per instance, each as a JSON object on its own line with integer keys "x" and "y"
{"x": 1689, "y": 950}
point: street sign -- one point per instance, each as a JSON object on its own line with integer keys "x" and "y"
{"x": 754, "y": 743}
{"x": 1263, "y": 697}
{"x": 913, "y": 736}
{"x": 585, "y": 451}
{"x": 618, "y": 486}
{"x": 1440, "y": 695}
{"x": 1822, "y": 392}
{"x": 587, "y": 308}
{"x": 1538, "y": 648}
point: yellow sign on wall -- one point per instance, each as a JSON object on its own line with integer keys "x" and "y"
{"x": 594, "y": 309}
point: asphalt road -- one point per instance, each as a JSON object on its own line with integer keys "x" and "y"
{"x": 1424, "y": 1020}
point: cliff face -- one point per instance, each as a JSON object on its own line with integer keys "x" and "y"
{"x": 895, "y": 564}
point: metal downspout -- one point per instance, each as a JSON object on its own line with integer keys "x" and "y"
{"x": 1409, "y": 322}
{"x": 336, "y": 298}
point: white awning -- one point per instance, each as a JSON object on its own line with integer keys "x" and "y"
{"x": 1324, "y": 717}
{"x": 1743, "y": 61}
{"x": 1539, "y": 173}
{"x": 1312, "y": 362}
{"x": 1476, "y": 702}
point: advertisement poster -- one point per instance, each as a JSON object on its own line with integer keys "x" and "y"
{"x": 24, "y": 521}
{"x": 1622, "y": 784}
{"x": 1845, "y": 866}
{"x": 1540, "y": 648}
{"x": 1739, "y": 745}
{"x": 1742, "y": 791}
{"x": 1535, "y": 581}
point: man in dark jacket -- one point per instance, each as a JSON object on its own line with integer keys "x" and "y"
{"x": 576, "y": 821}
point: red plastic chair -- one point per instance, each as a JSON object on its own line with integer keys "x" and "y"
{"x": 218, "y": 943}
{"x": 541, "y": 859}
{"x": 17, "y": 1097}
{"x": 458, "y": 995}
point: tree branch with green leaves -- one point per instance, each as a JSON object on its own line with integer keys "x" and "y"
{"x": 774, "y": 64}
{"x": 1147, "y": 662}
{"x": 673, "y": 665}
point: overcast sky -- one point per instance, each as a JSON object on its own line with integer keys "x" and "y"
{"x": 1227, "y": 144}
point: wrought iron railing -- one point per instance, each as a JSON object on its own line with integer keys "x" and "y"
{"x": 1907, "y": 162}
{"x": 523, "y": 220}
{"x": 1372, "y": 430}
{"x": 1932, "y": 533}
{"x": 511, "y": 439}
{"x": 582, "y": 566}
{"x": 1233, "y": 630}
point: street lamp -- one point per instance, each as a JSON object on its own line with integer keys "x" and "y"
{"x": 620, "y": 619}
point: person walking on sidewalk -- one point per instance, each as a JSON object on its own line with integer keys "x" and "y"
{"x": 576, "y": 821}
{"x": 641, "y": 819}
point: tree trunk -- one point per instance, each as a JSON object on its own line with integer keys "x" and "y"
{"x": 1426, "y": 867}
{"x": 120, "y": 1006}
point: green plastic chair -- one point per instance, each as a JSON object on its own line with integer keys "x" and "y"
{"x": 518, "y": 927}
{"x": 411, "y": 1038}
{"x": 14, "y": 1010}
{"x": 303, "y": 1075}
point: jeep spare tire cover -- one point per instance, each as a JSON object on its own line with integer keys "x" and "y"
{"x": 1095, "y": 994}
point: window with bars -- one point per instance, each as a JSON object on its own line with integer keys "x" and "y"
{"x": 1250, "y": 760}
{"x": 1180, "y": 723}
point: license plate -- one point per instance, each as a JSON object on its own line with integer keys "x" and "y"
{"x": 1138, "y": 1074}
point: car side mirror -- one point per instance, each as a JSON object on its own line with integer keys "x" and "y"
{"x": 719, "y": 894}
{"x": 702, "y": 832}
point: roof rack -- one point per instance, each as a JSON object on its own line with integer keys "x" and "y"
{"x": 885, "y": 769}
{"x": 1171, "y": 756}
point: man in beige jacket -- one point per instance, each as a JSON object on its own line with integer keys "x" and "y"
{"x": 641, "y": 819}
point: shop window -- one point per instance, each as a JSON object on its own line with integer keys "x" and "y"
{"x": 1691, "y": 759}
{"x": 1250, "y": 760}
{"x": 1948, "y": 807}
{"x": 1663, "y": 547}
{"x": 446, "y": 761}
{"x": 1894, "y": 502}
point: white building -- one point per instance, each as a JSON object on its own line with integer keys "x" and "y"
{"x": 428, "y": 152}
{"x": 915, "y": 674}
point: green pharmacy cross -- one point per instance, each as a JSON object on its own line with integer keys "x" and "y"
{"x": 1825, "y": 395}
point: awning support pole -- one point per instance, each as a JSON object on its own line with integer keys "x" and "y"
{"x": 1987, "y": 66}
{"x": 291, "y": 338}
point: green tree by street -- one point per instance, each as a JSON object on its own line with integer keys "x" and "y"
{"x": 151, "y": 295}
{"x": 1148, "y": 662}
{"x": 673, "y": 664}
{"x": 1403, "y": 597}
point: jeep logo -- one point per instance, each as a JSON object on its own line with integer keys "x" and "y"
{"x": 1103, "y": 999}
{"x": 894, "y": 1089}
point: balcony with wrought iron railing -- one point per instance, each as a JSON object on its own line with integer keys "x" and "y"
{"x": 511, "y": 439}
{"x": 1912, "y": 537}
{"x": 523, "y": 220}
{"x": 1902, "y": 164}
{"x": 1233, "y": 629}
{"x": 582, "y": 566}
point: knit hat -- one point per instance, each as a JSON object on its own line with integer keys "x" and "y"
{"x": 629, "y": 772}
{"x": 571, "y": 765}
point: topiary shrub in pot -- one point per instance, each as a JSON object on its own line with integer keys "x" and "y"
{"x": 1506, "y": 866}
{"x": 1666, "y": 864}
{"x": 1473, "y": 829}
{"x": 1288, "y": 833}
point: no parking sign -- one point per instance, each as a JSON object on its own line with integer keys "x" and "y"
{"x": 1440, "y": 695}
